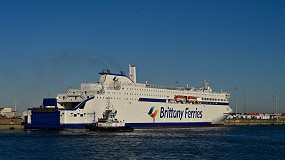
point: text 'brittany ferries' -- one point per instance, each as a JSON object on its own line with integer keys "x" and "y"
{"x": 172, "y": 113}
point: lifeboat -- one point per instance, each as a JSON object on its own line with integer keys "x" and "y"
{"x": 192, "y": 99}
{"x": 180, "y": 98}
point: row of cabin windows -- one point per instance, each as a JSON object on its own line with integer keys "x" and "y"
{"x": 134, "y": 94}
{"x": 109, "y": 98}
{"x": 77, "y": 114}
{"x": 147, "y": 90}
{"x": 200, "y": 94}
{"x": 213, "y": 99}
{"x": 208, "y": 99}
{"x": 132, "y": 99}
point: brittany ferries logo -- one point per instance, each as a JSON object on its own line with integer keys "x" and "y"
{"x": 116, "y": 79}
{"x": 152, "y": 112}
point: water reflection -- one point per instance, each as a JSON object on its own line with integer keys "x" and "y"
{"x": 237, "y": 142}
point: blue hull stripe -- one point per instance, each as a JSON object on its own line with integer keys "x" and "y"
{"x": 152, "y": 100}
{"x": 55, "y": 126}
{"x": 42, "y": 126}
{"x": 80, "y": 105}
{"x": 75, "y": 126}
{"x": 169, "y": 125}
{"x": 134, "y": 125}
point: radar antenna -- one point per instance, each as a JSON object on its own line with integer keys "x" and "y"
{"x": 206, "y": 86}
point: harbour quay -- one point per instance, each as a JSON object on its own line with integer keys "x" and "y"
{"x": 241, "y": 122}
{"x": 238, "y": 119}
{"x": 11, "y": 123}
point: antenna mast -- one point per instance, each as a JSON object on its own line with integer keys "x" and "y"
{"x": 15, "y": 104}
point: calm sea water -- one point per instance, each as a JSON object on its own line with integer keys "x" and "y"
{"x": 236, "y": 142}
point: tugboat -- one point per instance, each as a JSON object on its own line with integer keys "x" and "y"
{"x": 109, "y": 122}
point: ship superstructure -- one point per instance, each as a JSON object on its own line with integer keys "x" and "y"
{"x": 142, "y": 105}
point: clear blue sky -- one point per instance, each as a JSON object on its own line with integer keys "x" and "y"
{"x": 50, "y": 45}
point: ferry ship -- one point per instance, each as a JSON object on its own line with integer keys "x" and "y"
{"x": 137, "y": 105}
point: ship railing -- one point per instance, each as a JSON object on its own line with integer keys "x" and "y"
{"x": 62, "y": 94}
{"x": 173, "y": 88}
{"x": 202, "y": 90}
{"x": 196, "y": 89}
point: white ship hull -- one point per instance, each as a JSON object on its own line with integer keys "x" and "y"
{"x": 143, "y": 106}
{"x": 137, "y": 114}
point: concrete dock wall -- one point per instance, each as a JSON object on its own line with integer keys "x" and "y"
{"x": 15, "y": 123}
{"x": 11, "y": 123}
{"x": 236, "y": 122}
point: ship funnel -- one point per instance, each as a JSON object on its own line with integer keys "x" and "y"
{"x": 132, "y": 71}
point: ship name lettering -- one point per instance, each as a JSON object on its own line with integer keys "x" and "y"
{"x": 193, "y": 114}
{"x": 171, "y": 113}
